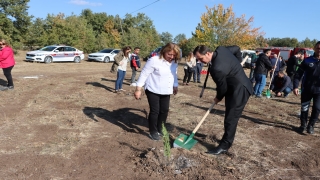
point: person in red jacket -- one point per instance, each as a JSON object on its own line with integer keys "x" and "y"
{"x": 135, "y": 64}
{"x": 7, "y": 62}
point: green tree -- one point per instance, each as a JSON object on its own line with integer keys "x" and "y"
{"x": 36, "y": 35}
{"x": 188, "y": 45}
{"x": 139, "y": 31}
{"x": 112, "y": 34}
{"x": 15, "y": 11}
{"x": 313, "y": 42}
{"x": 77, "y": 33}
{"x": 179, "y": 38}
{"x": 72, "y": 30}
{"x": 54, "y": 25}
{"x": 283, "y": 42}
{"x": 261, "y": 42}
{"x": 273, "y": 41}
{"x": 7, "y": 28}
{"x": 95, "y": 20}
{"x": 306, "y": 43}
{"x": 165, "y": 37}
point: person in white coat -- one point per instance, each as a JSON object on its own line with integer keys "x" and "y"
{"x": 159, "y": 78}
{"x": 189, "y": 68}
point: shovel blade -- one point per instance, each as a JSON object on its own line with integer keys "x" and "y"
{"x": 268, "y": 93}
{"x": 184, "y": 141}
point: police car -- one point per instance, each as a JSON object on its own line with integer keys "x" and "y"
{"x": 55, "y": 53}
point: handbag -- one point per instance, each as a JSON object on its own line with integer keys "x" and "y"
{"x": 191, "y": 69}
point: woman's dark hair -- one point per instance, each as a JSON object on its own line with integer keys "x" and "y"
{"x": 124, "y": 49}
{"x": 301, "y": 52}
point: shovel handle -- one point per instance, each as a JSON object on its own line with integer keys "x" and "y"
{"x": 202, "y": 92}
{"x": 273, "y": 70}
{"x": 205, "y": 81}
{"x": 203, "y": 118}
{"x": 244, "y": 60}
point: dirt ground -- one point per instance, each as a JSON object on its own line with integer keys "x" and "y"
{"x": 63, "y": 121}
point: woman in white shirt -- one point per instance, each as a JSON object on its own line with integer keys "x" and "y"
{"x": 121, "y": 60}
{"x": 189, "y": 68}
{"x": 159, "y": 78}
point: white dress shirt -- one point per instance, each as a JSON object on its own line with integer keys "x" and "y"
{"x": 159, "y": 76}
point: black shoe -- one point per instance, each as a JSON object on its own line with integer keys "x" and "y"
{"x": 259, "y": 96}
{"x": 310, "y": 130}
{"x": 154, "y": 136}
{"x": 199, "y": 82}
{"x": 218, "y": 150}
{"x": 301, "y": 129}
{"x": 160, "y": 134}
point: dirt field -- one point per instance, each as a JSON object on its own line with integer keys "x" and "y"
{"x": 63, "y": 121}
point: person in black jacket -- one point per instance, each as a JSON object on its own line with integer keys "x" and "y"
{"x": 293, "y": 63}
{"x": 263, "y": 65}
{"x": 281, "y": 83}
{"x": 232, "y": 84}
{"x": 254, "y": 59}
{"x": 309, "y": 70}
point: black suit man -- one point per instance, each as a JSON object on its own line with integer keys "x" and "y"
{"x": 232, "y": 83}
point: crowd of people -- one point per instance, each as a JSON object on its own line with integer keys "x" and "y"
{"x": 281, "y": 83}
{"x": 234, "y": 86}
{"x": 299, "y": 71}
{"x": 159, "y": 79}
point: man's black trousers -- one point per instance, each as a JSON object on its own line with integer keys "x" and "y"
{"x": 235, "y": 102}
{"x": 306, "y": 98}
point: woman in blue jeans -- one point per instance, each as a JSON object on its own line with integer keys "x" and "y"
{"x": 122, "y": 58}
{"x": 197, "y": 72}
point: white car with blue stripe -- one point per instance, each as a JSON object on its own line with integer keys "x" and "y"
{"x": 55, "y": 53}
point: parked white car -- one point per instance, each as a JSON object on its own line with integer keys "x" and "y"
{"x": 105, "y": 55}
{"x": 55, "y": 53}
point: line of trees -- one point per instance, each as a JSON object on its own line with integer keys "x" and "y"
{"x": 291, "y": 42}
{"x": 91, "y": 31}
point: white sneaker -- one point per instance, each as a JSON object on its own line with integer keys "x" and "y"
{"x": 133, "y": 84}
